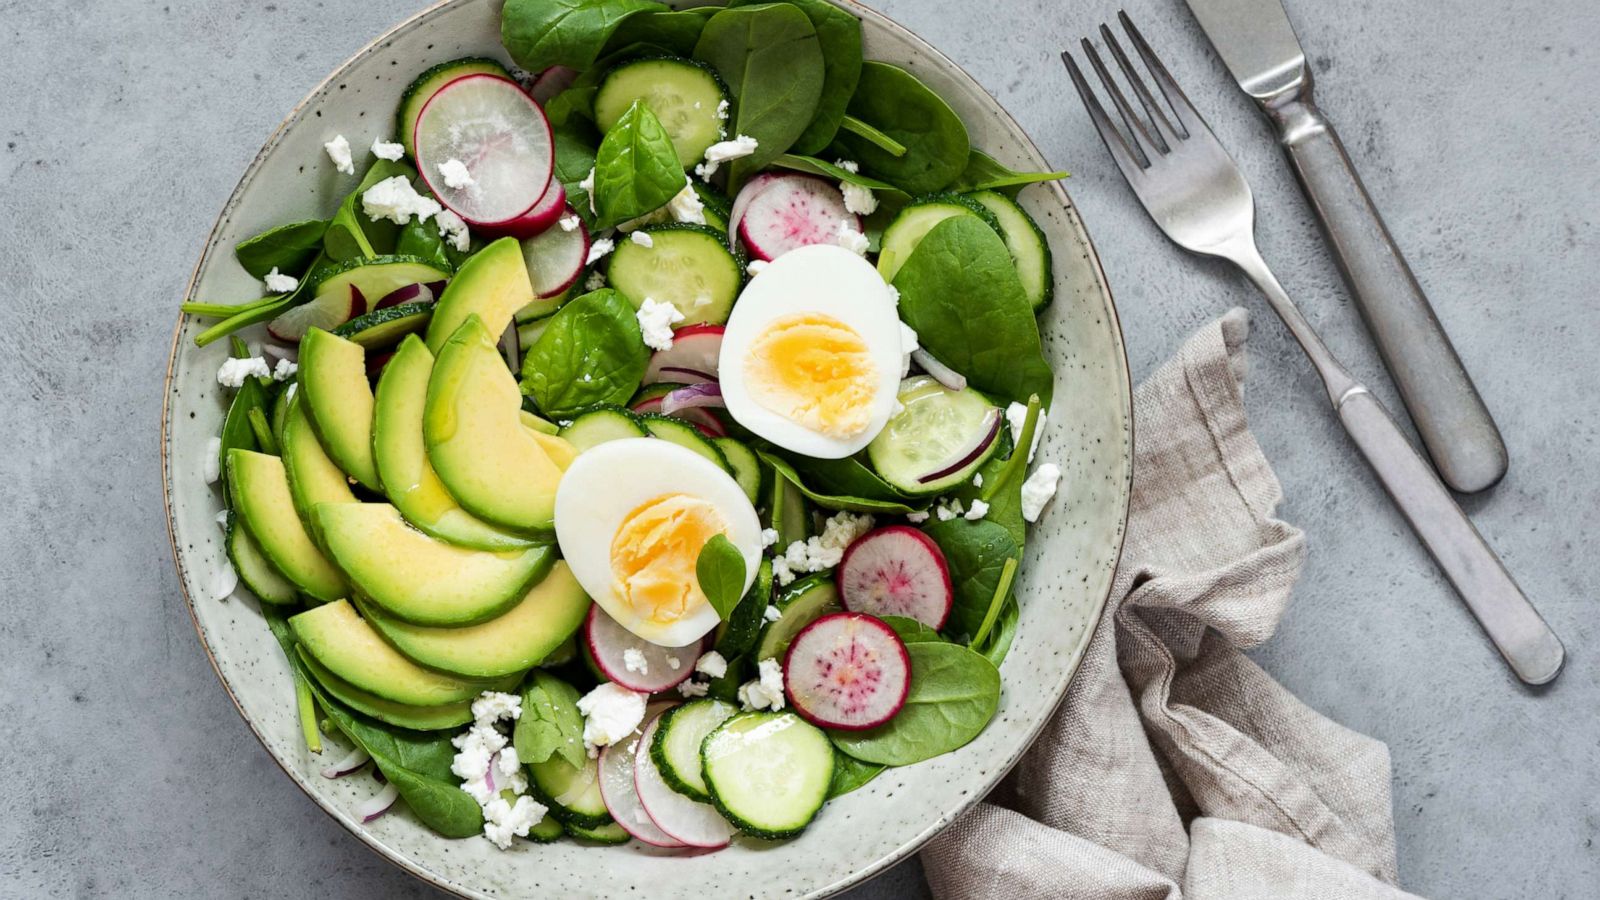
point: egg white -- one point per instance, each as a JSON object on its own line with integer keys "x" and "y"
{"x": 819, "y": 278}
{"x": 607, "y": 482}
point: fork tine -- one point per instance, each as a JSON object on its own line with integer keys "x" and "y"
{"x": 1193, "y": 124}
{"x": 1131, "y": 165}
{"x": 1165, "y": 133}
{"x": 1148, "y": 146}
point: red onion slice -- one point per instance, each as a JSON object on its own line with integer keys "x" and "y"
{"x": 411, "y": 293}
{"x": 938, "y": 371}
{"x": 378, "y": 804}
{"x": 966, "y": 456}
{"x": 694, "y": 396}
{"x": 687, "y": 376}
{"x": 352, "y": 761}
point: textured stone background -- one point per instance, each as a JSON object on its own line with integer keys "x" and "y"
{"x": 125, "y": 125}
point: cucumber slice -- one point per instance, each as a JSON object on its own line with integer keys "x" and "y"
{"x": 689, "y": 266}
{"x": 422, "y": 89}
{"x": 683, "y": 434}
{"x": 260, "y": 493}
{"x": 547, "y": 830}
{"x": 805, "y": 601}
{"x": 597, "y": 426}
{"x": 378, "y": 277}
{"x": 938, "y": 439}
{"x": 715, "y": 206}
{"x": 255, "y": 570}
{"x": 572, "y": 793}
{"x": 313, "y": 477}
{"x": 745, "y": 466}
{"x": 1030, "y": 252}
{"x": 685, "y": 95}
{"x": 338, "y": 400}
{"x": 528, "y": 332}
{"x": 403, "y": 715}
{"x": 383, "y": 328}
{"x": 609, "y": 833}
{"x": 768, "y": 772}
{"x": 676, "y": 745}
{"x": 916, "y": 220}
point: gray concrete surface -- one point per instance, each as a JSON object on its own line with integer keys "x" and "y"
{"x": 125, "y": 125}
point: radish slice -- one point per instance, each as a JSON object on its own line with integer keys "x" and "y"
{"x": 411, "y": 293}
{"x": 741, "y": 203}
{"x": 555, "y": 258}
{"x": 694, "y": 396}
{"x": 618, "y": 791}
{"x": 848, "y": 671}
{"x": 792, "y": 211}
{"x": 896, "y": 571}
{"x": 610, "y": 643}
{"x": 691, "y": 359}
{"x": 536, "y": 221}
{"x": 489, "y": 124}
{"x": 326, "y": 311}
{"x": 963, "y": 458}
{"x": 687, "y": 821}
{"x": 550, "y": 82}
{"x": 702, "y": 419}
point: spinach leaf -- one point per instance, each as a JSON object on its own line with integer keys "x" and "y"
{"x": 670, "y": 33}
{"x": 832, "y": 501}
{"x": 305, "y": 703}
{"x": 351, "y": 234}
{"x": 726, "y": 688}
{"x": 814, "y": 166}
{"x": 258, "y": 311}
{"x": 636, "y": 170}
{"x": 845, "y": 477}
{"x": 543, "y": 33}
{"x": 954, "y": 693}
{"x": 910, "y": 630}
{"x": 1003, "y": 489}
{"x": 575, "y": 150}
{"x": 720, "y": 571}
{"x": 575, "y": 104}
{"x": 873, "y": 136}
{"x": 850, "y": 773}
{"x": 896, "y": 103}
{"x": 959, "y": 290}
{"x": 550, "y": 724}
{"x": 287, "y": 248}
{"x": 983, "y": 173}
{"x": 591, "y": 353}
{"x": 839, "y": 36}
{"x": 998, "y": 644}
{"x": 1002, "y": 593}
{"x": 976, "y": 552}
{"x": 771, "y": 59}
{"x": 421, "y": 239}
{"x": 236, "y": 429}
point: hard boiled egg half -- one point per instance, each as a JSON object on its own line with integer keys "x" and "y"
{"x": 631, "y": 518}
{"x": 811, "y": 356}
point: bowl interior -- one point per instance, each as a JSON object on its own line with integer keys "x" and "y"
{"x": 1063, "y": 586}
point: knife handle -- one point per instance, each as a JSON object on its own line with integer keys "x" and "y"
{"x": 1451, "y": 418}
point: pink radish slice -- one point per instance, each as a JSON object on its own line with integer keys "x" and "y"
{"x": 326, "y": 311}
{"x": 550, "y": 82}
{"x": 848, "y": 671}
{"x": 609, "y": 644}
{"x": 555, "y": 258}
{"x": 794, "y": 211}
{"x": 489, "y": 124}
{"x": 536, "y": 221}
{"x": 619, "y": 793}
{"x": 691, "y": 359}
{"x": 741, "y": 202}
{"x": 896, "y": 571}
{"x": 411, "y": 293}
{"x": 682, "y": 819}
{"x": 702, "y": 419}
{"x": 695, "y": 396}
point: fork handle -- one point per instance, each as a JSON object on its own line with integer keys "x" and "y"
{"x": 1451, "y": 418}
{"x": 1518, "y": 631}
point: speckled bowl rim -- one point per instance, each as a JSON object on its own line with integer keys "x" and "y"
{"x": 912, "y": 845}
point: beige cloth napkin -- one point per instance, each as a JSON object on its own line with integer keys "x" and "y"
{"x": 1176, "y": 767}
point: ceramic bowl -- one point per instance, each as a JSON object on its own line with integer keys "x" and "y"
{"x": 1063, "y": 585}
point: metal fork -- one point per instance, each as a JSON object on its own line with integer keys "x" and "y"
{"x": 1194, "y": 191}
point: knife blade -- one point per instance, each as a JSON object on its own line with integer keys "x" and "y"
{"x": 1256, "y": 43}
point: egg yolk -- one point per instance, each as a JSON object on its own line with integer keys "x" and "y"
{"x": 654, "y": 552}
{"x": 813, "y": 370}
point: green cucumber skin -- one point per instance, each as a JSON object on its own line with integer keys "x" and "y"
{"x": 658, "y": 752}
{"x": 745, "y": 826}
{"x": 610, "y": 833}
{"x": 566, "y": 815}
{"x": 1035, "y": 238}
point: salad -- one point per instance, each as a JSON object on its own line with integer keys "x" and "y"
{"x": 644, "y": 448}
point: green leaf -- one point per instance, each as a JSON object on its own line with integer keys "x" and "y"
{"x": 850, "y": 773}
{"x": 959, "y": 290}
{"x": 744, "y": 624}
{"x": 815, "y": 166}
{"x": 543, "y": 33}
{"x": 636, "y": 168}
{"x": 1002, "y": 592}
{"x": 421, "y": 239}
{"x": 910, "y": 630}
{"x": 845, "y": 477}
{"x": 287, "y": 248}
{"x": 305, "y": 704}
{"x": 550, "y": 724}
{"x": 771, "y": 60}
{"x": 976, "y": 552}
{"x": 893, "y": 101}
{"x": 351, "y": 234}
{"x": 671, "y": 33}
{"x": 873, "y": 136}
{"x": 839, "y": 37}
{"x": 575, "y": 146}
{"x": 954, "y": 693}
{"x": 983, "y": 173}
{"x": 833, "y": 501}
{"x": 1002, "y": 490}
{"x": 263, "y": 310}
{"x": 998, "y": 644}
{"x": 720, "y": 570}
{"x": 591, "y": 353}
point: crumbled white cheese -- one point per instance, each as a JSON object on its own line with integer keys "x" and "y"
{"x": 570, "y": 222}
{"x": 395, "y": 200}
{"x": 475, "y": 751}
{"x": 771, "y": 613}
{"x": 1017, "y": 417}
{"x": 894, "y": 294}
{"x": 456, "y": 174}
{"x": 726, "y": 151}
{"x": 852, "y": 240}
{"x": 587, "y": 184}
{"x": 211, "y": 463}
{"x": 908, "y": 346}
{"x": 643, "y": 239}
{"x": 502, "y": 820}
{"x": 595, "y": 281}
{"x": 755, "y": 267}
{"x": 224, "y": 582}
{"x": 655, "y": 323}
{"x": 769, "y": 536}
{"x": 685, "y": 205}
{"x": 849, "y": 165}
{"x": 234, "y": 371}
{"x": 339, "y": 151}
{"x": 858, "y": 198}
{"x": 978, "y": 510}
{"x": 598, "y": 249}
{"x": 492, "y": 706}
{"x": 279, "y": 283}
{"x": 284, "y": 370}
{"x": 722, "y": 111}
{"x": 693, "y": 688}
{"x": 711, "y": 665}
{"x": 1038, "y": 489}
{"x": 633, "y": 660}
{"x": 918, "y": 517}
{"x": 977, "y": 479}
{"x": 822, "y": 551}
{"x": 948, "y": 510}
{"x": 611, "y": 712}
{"x": 674, "y": 663}
{"x": 765, "y": 692}
{"x": 389, "y": 150}
{"x": 453, "y": 228}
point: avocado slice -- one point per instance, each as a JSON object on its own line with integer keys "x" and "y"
{"x": 404, "y": 715}
{"x": 260, "y": 491}
{"x": 343, "y": 642}
{"x": 492, "y": 284}
{"x": 338, "y": 400}
{"x": 313, "y": 476}
{"x": 495, "y": 466}
{"x": 515, "y": 641}
{"x": 402, "y": 458}
{"x": 416, "y": 578}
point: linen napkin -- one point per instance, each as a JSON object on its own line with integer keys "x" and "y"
{"x": 1176, "y": 767}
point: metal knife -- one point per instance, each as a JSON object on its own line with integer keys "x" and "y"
{"x": 1259, "y": 47}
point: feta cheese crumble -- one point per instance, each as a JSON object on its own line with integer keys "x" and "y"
{"x": 587, "y": 184}
{"x": 492, "y": 774}
{"x": 633, "y": 660}
{"x": 755, "y": 267}
{"x": 279, "y": 283}
{"x": 595, "y": 281}
{"x": 852, "y": 240}
{"x": 655, "y": 323}
{"x": 502, "y": 820}
{"x": 977, "y": 479}
{"x": 769, "y": 536}
{"x": 771, "y": 613}
{"x": 610, "y": 713}
{"x": 453, "y": 228}
{"x": 642, "y": 239}
{"x": 284, "y": 370}
{"x": 685, "y": 205}
{"x": 950, "y": 509}
{"x": 977, "y": 510}
{"x": 389, "y": 150}
{"x": 395, "y": 200}
{"x": 456, "y": 174}
{"x": 492, "y": 706}
{"x": 674, "y": 663}
{"x": 598, "y": 249}
{"x": 1017, "y": 417}
{"x": 1038, "y": 489}
{"x": 765, "y": 692}
{"x": 711, "y": 665}
{"x": 917, "y": 518}
{"x": 822, "y": 551}
{"x": 693, "y": 688}
{"x": 722, "y": 111}
{"x": 908, "y": 346}
{"x": 339, "y": 151}
{"x": 894, "y": 294}
{"x": 858, "y": 198}
{"x": 725, "y": 151}
{"x": 570, "y": 222}
{"x": 234, "y": 371}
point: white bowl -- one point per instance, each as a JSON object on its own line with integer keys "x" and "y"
{"x": 1063, "y": 586}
